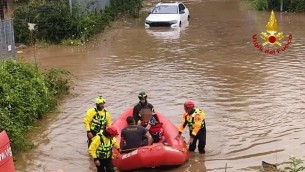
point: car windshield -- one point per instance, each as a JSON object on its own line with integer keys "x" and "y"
{"x": 165, "y": 9}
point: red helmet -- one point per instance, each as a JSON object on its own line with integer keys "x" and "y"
{"x": 112, "y": 131}
{"x": 189, "y": 104}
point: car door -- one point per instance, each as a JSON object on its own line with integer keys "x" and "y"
{"x": 182, "y": 13}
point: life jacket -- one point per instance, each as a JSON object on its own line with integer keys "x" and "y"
{"x": 156, "y": 128}
{"x": 190, "y": 119}
{"x": 156, "y": 125}
{"x": 104, "y": 151}
{"x": 98, "y": 122}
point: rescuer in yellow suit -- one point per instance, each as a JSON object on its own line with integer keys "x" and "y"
{"x": 97, "y": 119}
{"x": 101, "y": 149}
{"x": 194, "y": 118}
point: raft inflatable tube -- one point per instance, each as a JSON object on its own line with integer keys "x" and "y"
{"x": 6, "y": 155}
{"x": 173, "y": 153}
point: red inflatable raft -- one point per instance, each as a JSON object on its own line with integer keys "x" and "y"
{"x": 173, "y": 153}
{"x": 6, "y": 155}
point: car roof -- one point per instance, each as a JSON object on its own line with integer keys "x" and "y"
{"x": 168, "y": 3}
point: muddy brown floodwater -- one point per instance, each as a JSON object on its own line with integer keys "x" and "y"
{"x": 254, "y": 103}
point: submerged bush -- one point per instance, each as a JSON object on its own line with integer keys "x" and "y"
{"x": 26, "y": 95}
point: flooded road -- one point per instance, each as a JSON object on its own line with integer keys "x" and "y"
{"x": 254, "y": 103}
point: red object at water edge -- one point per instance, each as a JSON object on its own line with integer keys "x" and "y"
{"x": 6, "y": 155}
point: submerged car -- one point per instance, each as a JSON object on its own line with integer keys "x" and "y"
{"x": 170, "y": 14}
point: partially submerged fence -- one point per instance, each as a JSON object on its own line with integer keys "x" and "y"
{"x": 7, "y": 40}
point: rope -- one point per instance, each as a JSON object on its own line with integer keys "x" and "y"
{"x": 150, "y": 148}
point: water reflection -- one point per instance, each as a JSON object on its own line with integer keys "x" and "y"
{"x": 166, "y": 33}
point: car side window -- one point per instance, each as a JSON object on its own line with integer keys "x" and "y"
{"x": 181, "y": 7}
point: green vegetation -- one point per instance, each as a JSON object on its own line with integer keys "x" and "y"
{"x": 295, "y": 165}
{"x": 288, "y": 5}
{"x": 55, "y": 24}
{"x": 26, "y": 95}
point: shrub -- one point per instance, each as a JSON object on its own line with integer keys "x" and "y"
{"x": 26, "y": 95}
{"x": 296, "y": 5}
{"x": 55, "y": 23}
{"x": 288, "y": 5}
{"x": 295, "y": 165}
{"x": 52, "y": 19}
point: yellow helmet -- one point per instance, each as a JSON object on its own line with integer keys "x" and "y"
{"x": 100, "y": 100}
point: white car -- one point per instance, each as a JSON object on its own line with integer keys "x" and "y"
{"x": 171, "y": 14}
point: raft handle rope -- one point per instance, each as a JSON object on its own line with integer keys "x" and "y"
{"x": 183, "y": 150}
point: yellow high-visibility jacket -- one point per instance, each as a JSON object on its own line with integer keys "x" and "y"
{"x": 97, "y": 149}
{"x": 94, "y": 117}
{"x": 194, "y": 121}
